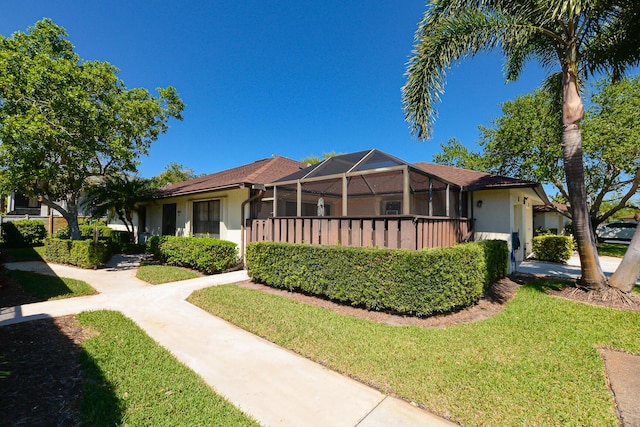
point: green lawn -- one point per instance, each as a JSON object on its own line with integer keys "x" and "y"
{"x": 536, "y": 363}
{"x": 49, "y": 287}
{"x": 25, "y": 254}
{"x": 133, "y": 381}
{"x": 612, "y": 249}
{"x": 157, "y": 274}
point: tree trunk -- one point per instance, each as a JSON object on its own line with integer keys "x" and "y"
{"x": 70, "y": 214}
{"x": 592, "y": 276}
{"x": 628, "y": 271}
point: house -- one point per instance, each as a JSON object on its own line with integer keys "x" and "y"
{"x": 371, "y": 198}
{"x": 550, "y": 217}
{"x": 214, "y": 205}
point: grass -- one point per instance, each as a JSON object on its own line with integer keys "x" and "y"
{"x": 133, "y": 381}
{"x": 536, "y": 363}
{"x": 612, "y": 249}
{"x": 25, "y": 254}
{"x": 48, "y": 287}
{"x": 157, "y": 274}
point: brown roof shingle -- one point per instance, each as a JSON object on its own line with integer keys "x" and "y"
{"x": 259, "y": 172}
{"x": 469, "y": 180}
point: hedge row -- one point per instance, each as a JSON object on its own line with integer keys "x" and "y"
{"x": 553, "y": 248}
{"x": 24, "y": 232}
{"x": 82, "y": 253}
{"x": 120, "y": 239}
{"x": 412, "y": 282}
{"x": 86, "y": 232}
{"x": 204, "y": 254}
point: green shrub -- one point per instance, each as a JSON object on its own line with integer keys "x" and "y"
{"x": 414, "y": 282}
{"x": 81, "y": 253}
{"x": 545, "y": 231}
{"x": 203, "y": 254}
{"x": 553, "y": 248}
{"x": 86, "y": 232}
{"x": 153, "y": 245}
{"x": 24, "y": 232}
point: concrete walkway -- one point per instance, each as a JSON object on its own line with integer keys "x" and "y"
{"x": 571, "y": 269}
{"x": 274, "y": 385}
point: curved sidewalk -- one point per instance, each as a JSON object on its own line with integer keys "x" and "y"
{"x": 273, "y": 385}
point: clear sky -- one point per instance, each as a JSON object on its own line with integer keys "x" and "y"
{"x": 275, "y": 77}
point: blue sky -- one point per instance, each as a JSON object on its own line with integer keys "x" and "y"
{"x": 275, "y": 77}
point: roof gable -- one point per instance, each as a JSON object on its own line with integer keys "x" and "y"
{"x": 470, "y": 180}
{"x": 259, "y": 172}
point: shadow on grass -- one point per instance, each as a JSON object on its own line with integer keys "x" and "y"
{"x": 49, "y": 370}
{"x": 23, "y": 254}
{"x": 37, "y": 287}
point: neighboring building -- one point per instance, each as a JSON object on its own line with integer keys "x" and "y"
{"x": 550, "y": 217}
{"x": 371, "y": 198}
{"x": 214, "y": 205}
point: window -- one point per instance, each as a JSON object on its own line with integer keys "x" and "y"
{"x": 206, "y": 218}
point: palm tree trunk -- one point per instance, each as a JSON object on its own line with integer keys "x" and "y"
{"x": 592, "y": 276}
{"x": 628, "y": 271}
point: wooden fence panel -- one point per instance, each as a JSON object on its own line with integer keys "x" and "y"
{"x": 403, "y": 232}
{"x": 378, "y": 236}
{"x": 367, "y": 232}
{"x": 407, "y": 234}
{"x": 345, "y": 225}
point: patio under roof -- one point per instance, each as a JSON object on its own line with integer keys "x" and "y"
{"x": 366, "y": 183}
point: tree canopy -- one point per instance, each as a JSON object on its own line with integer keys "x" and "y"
{"x": 64, "y": 120}
{"x": 525, "y": 143}
{"x": 172, "y": 174}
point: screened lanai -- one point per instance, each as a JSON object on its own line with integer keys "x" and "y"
{"x": 367, "y": 183}
{"x": 368, "y": 198}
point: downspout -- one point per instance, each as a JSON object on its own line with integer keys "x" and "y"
{"x": 261, "y": 192}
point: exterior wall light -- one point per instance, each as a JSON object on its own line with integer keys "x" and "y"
{"x": 479, "y": 204}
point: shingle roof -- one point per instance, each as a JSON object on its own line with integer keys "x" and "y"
{"x": 553, "y": 207}
{"x": 470, "y": 180}
{"x": 259, "y": 172}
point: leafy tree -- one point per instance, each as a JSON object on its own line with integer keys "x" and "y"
{"x": 455, "y": 154}
{"x": 172, "y": 174}
{"x": 525, "y": 142}
{"x": 119, "y": 196}
{"x": 578, "y": 38}
{"x": 64, "y": 120}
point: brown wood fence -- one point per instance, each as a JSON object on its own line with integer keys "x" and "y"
{"x": 410, "y": 232}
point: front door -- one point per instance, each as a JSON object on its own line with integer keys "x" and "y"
{"x": 169, "y": 219}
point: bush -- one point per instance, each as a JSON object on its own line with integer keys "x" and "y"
{"x": 413, "y": 282}
{"x": 545, "y": 231}
{"x": 24, "y": 232}
{"x": 81, "y": 253}
{"x": 153, "y": 245}
{"x": 86, "y": 232}
{"x": 203, "y": 254}
{"x": 553, "y": 248}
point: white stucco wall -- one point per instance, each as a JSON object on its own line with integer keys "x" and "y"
{"x": 550, "y": 220}
{"x": 504, "y": 212}
{"x": 230, "y": 221}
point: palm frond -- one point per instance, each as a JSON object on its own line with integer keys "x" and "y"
{"x": 442, "y": 39}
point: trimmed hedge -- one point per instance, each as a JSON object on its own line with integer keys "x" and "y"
{"x": 81, "y": 253}
{"x": 23, "y": 232}
{"x": 413, "y": 282}
{"x": 204, "y": 254}
{"x": 553, "y": 248}
{"x": 86, "y": 232}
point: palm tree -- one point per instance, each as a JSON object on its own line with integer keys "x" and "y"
{"x": 577, "y": 38}
{"x": 118, "y": 195}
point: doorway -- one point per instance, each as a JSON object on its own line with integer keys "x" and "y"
{"x": 169, "y": 219}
